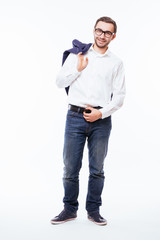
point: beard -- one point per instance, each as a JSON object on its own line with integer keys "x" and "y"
{"x": 101, "y": 45}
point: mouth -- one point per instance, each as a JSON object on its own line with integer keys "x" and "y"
{"x": 101, "y": 41}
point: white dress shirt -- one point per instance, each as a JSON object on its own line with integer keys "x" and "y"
{"x": 103, "y": 76}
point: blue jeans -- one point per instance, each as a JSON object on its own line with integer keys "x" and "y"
{"x": 97, "y": 133}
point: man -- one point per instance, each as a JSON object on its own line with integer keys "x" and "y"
{"x": 96, "y": 90}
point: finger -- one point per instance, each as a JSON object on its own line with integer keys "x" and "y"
{"x": 87, "y": 119}
{"x": 86, "y": 114}
{"x": 86, "y": 60}
{"x": 80, "y": 53}
{"x": 89, "y": 108}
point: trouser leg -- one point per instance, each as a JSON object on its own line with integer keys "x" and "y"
{"x": 74, "y": 142}
{"x": 97, "y": 146}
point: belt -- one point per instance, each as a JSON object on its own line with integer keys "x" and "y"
{"x": 79, "y": 109}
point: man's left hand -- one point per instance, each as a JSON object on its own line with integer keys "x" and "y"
{"x": 93, "y": 116}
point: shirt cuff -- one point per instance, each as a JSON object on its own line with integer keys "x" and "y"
{"x": 104, "y": 113}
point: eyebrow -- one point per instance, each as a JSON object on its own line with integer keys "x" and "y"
{"x": 104, "y": 31}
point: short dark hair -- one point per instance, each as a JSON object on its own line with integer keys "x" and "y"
{"x": 107, "y": 20}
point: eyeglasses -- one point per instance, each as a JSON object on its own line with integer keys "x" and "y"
{"x": 99, "y": 32}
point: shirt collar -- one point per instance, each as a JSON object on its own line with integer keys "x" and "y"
{"x": 99, "y": 54}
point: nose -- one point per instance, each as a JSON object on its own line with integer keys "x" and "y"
{"x": 102, "y": 35}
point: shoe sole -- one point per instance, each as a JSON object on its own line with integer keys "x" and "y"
{"x": 59, "y": 222}
{"x": 100, "y": 224}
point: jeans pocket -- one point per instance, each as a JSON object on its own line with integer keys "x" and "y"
{"x": 71, "y": 114}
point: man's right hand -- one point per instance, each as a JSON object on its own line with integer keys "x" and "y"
{"x": 82, "y": 62}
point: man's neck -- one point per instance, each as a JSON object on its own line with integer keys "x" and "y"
{"x": 99, "y": 50}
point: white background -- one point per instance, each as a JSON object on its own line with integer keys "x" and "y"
{"x": 33, "y": 36}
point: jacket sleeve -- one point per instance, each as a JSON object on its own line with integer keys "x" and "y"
{"x": 119, "y": 91}
{"x": 68, "y": 72}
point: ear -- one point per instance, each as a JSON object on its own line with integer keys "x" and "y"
{"x": 114, "y": 36}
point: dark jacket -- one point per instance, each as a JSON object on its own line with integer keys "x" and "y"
{"x": 77, "y": 47}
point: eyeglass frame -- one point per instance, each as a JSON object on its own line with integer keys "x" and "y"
{"x": 104, "y": 32}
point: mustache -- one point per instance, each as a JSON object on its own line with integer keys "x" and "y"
{"x": 105, "y": 43}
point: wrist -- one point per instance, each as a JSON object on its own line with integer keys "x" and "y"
{"x": 79, "y": 70}
{"x": 100, "y": 115}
